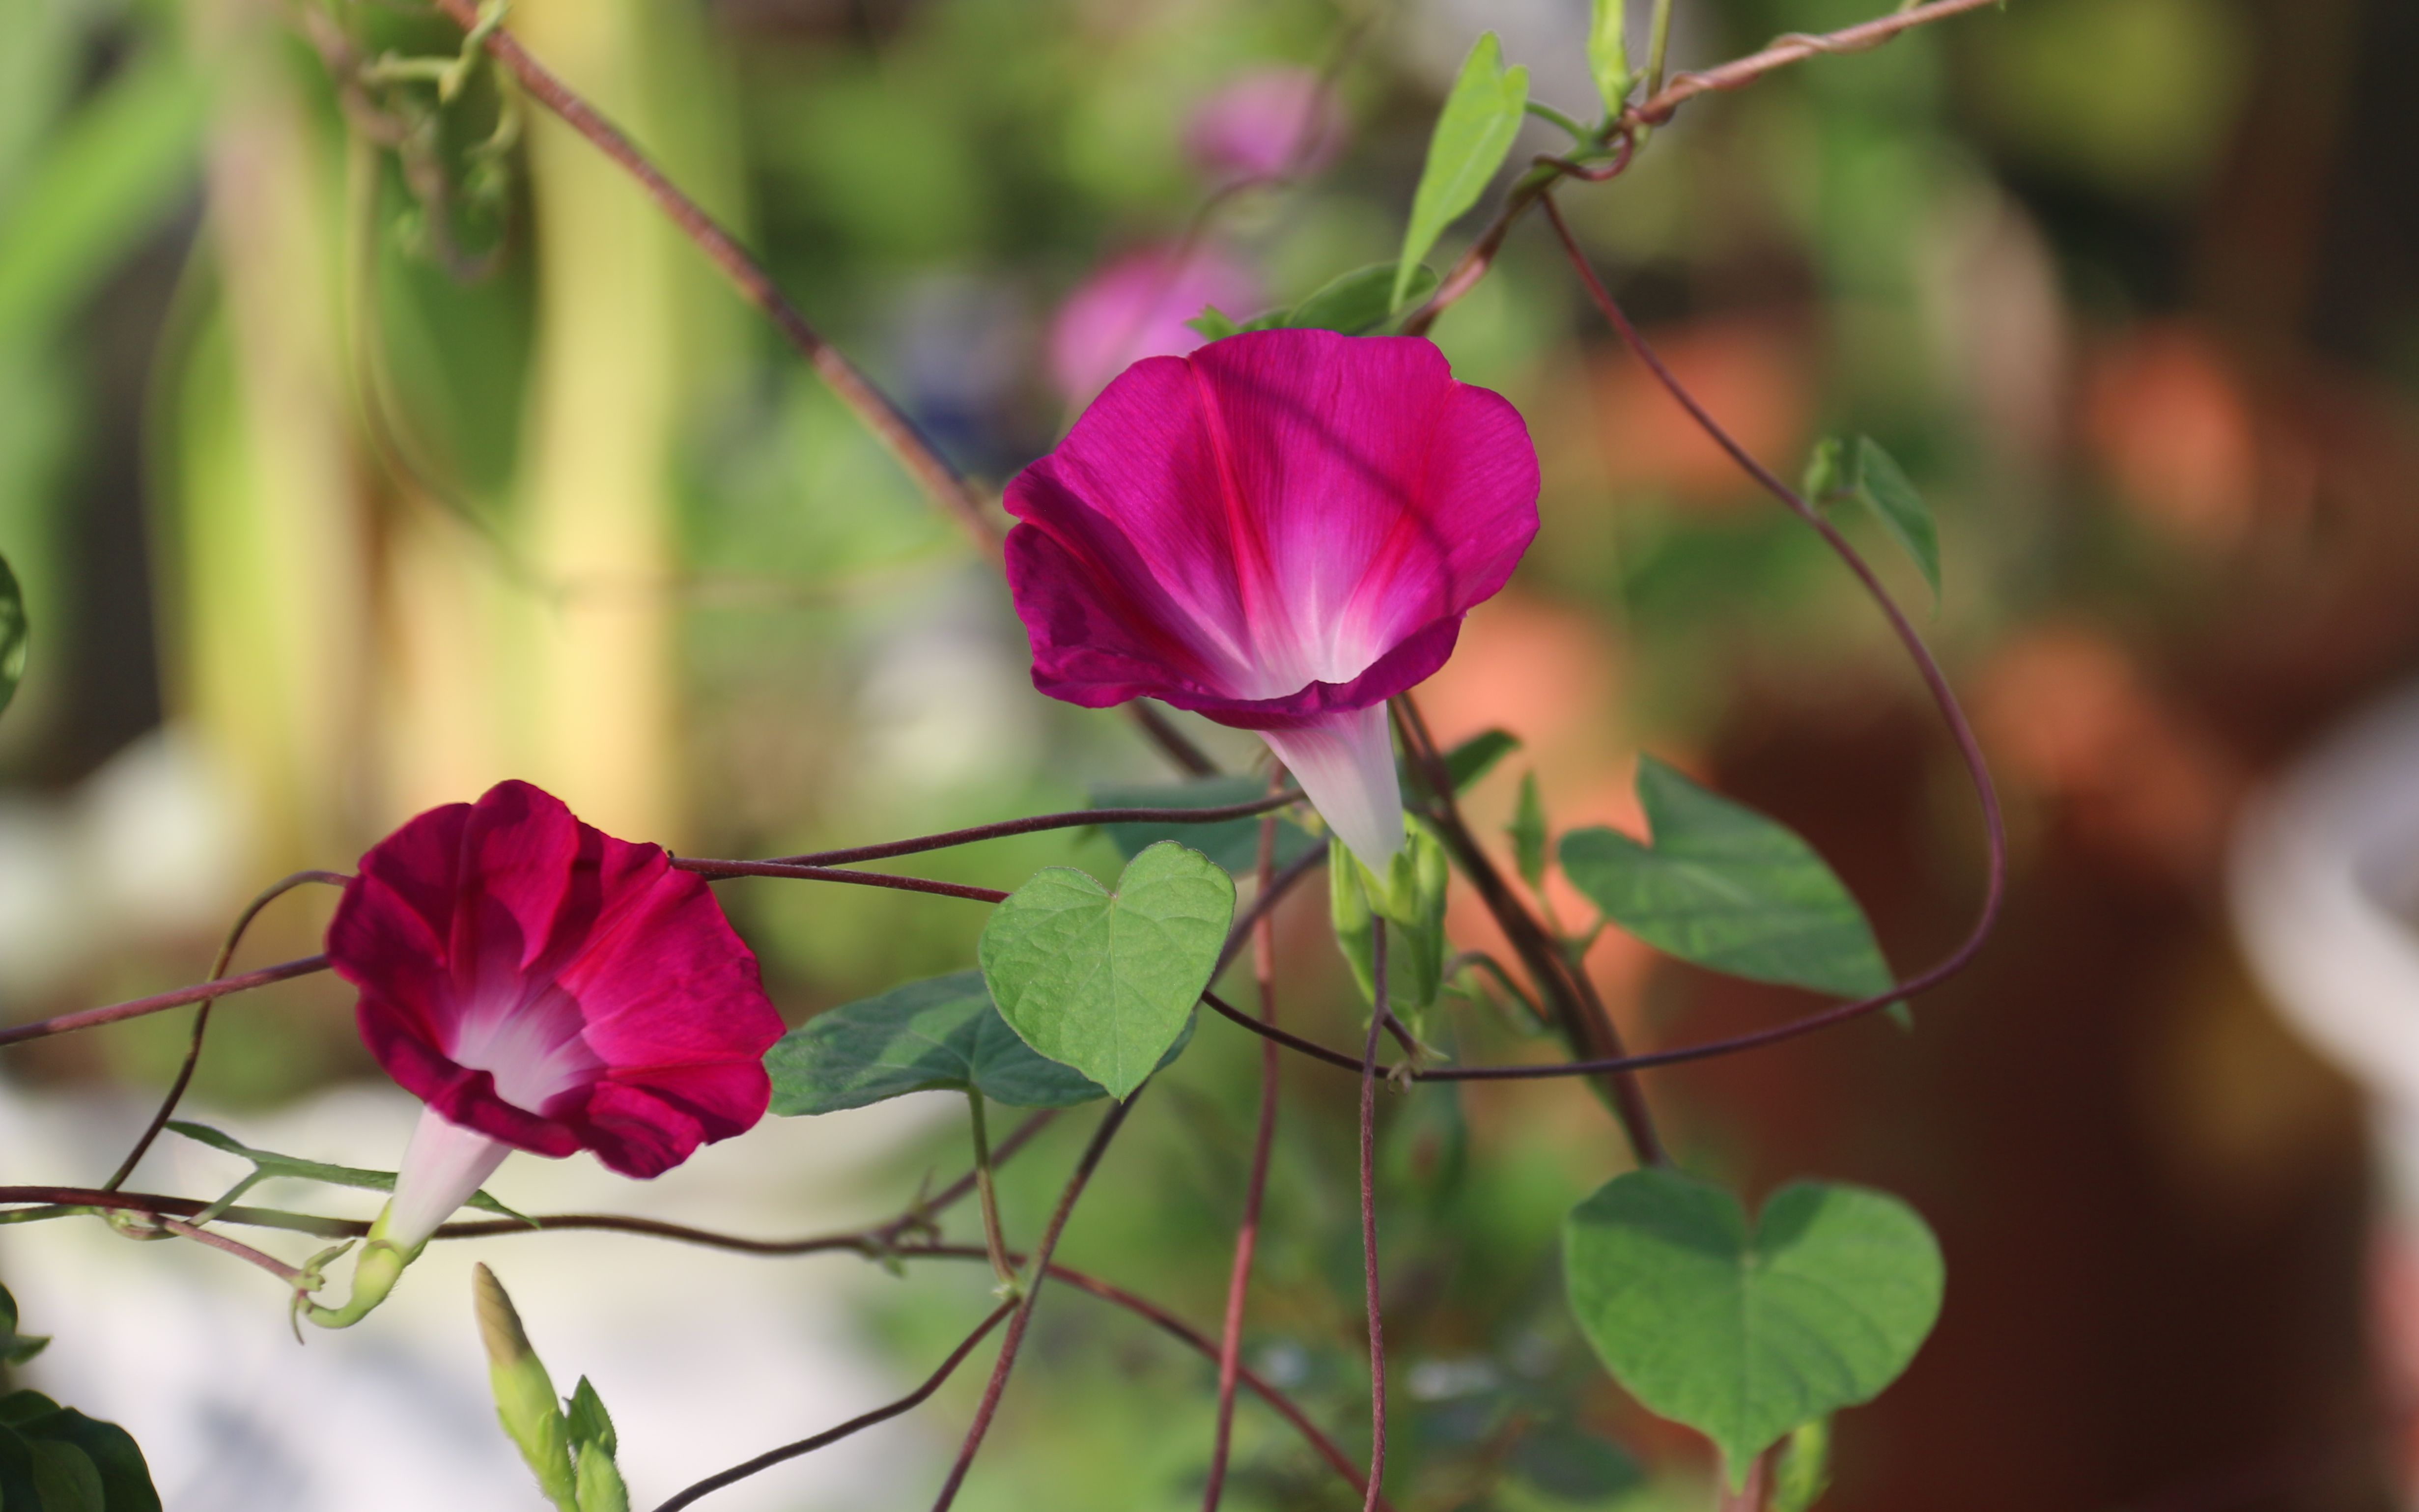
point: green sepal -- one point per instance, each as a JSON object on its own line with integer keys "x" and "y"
{"x": 1528, "y": 834}
{"x": 1408, "y": 902}
{"x": 1608, "y": 55}
{"x": 597, "y": 1482}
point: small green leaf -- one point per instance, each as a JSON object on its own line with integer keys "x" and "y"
{"x": 1473, "y": 131}
{"x": 1726, "y": 887}
{"x": 1476, "y": 757}
{"x": 1528, "y": 832}
{"x": 585, "y": 1419}
{"x": 1571, "y": 1464}
{"x": 1359, "y": 302}
{"x": 65, "y": 1477}
{"x": 1745, "y": 1336}
{"x": 13, "y": 633}
{"x": 1802, "y": 1471}
{"x": 1214, "y": 323}
{"x": 1830, "y": 471}
{"x": 267, "y": 1163}
{"x": 1233, "y": 843}
{"x": 15, "y": 1347}
{"x": 1106, "y": 981}
{"x": 1608, "y": 53}
{"x": 938, "y": 1035}
{"x": 1900, "y": 508}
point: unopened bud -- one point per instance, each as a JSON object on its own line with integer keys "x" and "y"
{"x": 525, "y": 1401}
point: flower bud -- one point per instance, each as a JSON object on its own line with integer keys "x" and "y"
{"x": 525, "y": 1401}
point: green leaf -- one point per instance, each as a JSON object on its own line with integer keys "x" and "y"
{"x": 585, "y": 1419}
{"x": 15, "y": 1347}
{"x": 938, "y": 1035}
{"x": 1726, "y": 887}
{"x": 1830, "y": 471}
{"x": 106, "y": 1449}
{"x": 1802, "y": 1472}
{"x": 1233, "y": 843}
{"x": 1106, "y": 981}
{"x": 1476, "y": 757}
{"x": 65, "y": 1477}
{"x": 1528, "y": 832}
{"x": 1900, "y": 508}
{"x": 267, "y": 1163}
{"x": 1214, "y": 323}
{"x": 111, "y": 171}
{"x": 13, "y": 628}
{"x": 1473, "y": 131}
{"x": 1746, "y": 1336}
{"x": 1359, "y": 302}
{"x": 1608, "y": 55}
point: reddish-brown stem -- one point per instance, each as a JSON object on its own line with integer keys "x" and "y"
{"x": 1071, "y": 819}
{"x": 915, "y": 451}
{"x": 1969, "y": 750}
{"x": 1581, "y": 1015}
{"x": 202, "y": 1019}
{"x": 1526, "y": 191}
{"x": 1262, "y": 905}
{"x": 160, "y": 1002}
{"x": 241, "y": 1251}
{"x": 1173, "y": 743}
{"x": 719, "y": 870}
{"x": 855, "y": 1425}
{"x": 989, "y": 1406}
{"x": 1247, "y": 1232}
{"x": 1369, "y": 1222}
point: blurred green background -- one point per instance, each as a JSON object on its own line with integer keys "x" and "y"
{"x": 354, "y": 459}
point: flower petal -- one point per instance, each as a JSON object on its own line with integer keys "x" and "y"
{"x": 442, "y": 1167}
{"x": 1346, "y": 766}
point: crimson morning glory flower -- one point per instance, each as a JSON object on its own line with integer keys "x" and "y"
{"x": 1265, "y": 124}
{"x": 1136, "y": 307}
{"x": 542, "y": 986}
{"x": 1281, "y": 532}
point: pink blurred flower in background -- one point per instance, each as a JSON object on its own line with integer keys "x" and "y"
{"x": 1269, "y": 123}
{"x": 1135, "y": 307}
{"x": 1280, "y": 532}
{"x": 542, "y": 986}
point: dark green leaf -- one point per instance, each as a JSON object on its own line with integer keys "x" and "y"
{"x": 1528, "y": 832}
{"x": 1472, "y": 133}
{"x": 1572, "y": 1465}
{"x": 1359, "y": 301}
{"x": 15, "y": 1347}
{"x": 108, "y": 1450}
{"x": 1726, "y": 887}
{"x": 586, "y": 1421}
{"x": 267, "y": 1163}
{"x": 1233, "y": 843}
{"x": 938, "y": 1035}
{"x": 1900, "y": 508}
{"x": 1106, "y": 981}
{"x": 1476, "y": 757}
{"x": 13, "y": 633}
{"x": 1746, "y": 1336}
{"x": 64, "y": 1478}
{"x": 1214, "y": 323}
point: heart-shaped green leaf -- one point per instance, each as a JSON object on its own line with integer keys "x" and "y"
{"x": 1233, "y": 843}
{"x": 1105, "y": 981}
{"x": 1726, "y": 887}
{"x": 1746, "y": 1336}
{"x": 938, "y": 1035}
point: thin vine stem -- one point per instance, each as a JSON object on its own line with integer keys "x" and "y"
{"x": 1370, "y": 1296}
{"x": 1071, "y": 818}
{"x": 1040, "y": 1267}
{"x": 719, "y": 871}
{"x": 1247, "y": 1229}
{"x": 202, "y": 1018}
{"x": 161, "y": 1002}
{"x": 855, "y": 1424}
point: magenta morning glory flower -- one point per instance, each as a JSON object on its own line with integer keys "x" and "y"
{"x": 1266, "y": 124}
{"x": 1281, "y": 532}
{"x": 542, "y": 986}
{"x": 1136, "y": 307}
